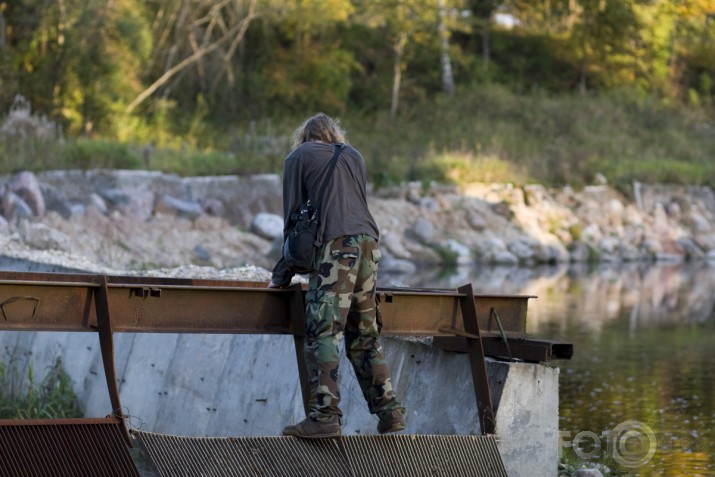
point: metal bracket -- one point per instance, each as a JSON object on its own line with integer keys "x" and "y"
{"x": 106, "y": 343}
{"x": 144, "y": 292}
{"x": 18, "y": 298}
{"x": 475, "y": 348}
{"x": 493, "y": 313}
{"x": 298, "y": 326}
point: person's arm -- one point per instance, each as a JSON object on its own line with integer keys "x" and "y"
{"x": 282, "y": 276}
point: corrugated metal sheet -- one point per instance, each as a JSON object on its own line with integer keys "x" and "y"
{"x": 354, "y": 456}
{"x": 64, "y": 447}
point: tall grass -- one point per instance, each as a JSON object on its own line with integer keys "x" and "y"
{"x": 487, "y": 133}
{"x": 554, "y": 140}
{"x": 53, "y": 397}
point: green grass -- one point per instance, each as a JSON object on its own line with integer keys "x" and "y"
{"x": 52, "y": 398}
{"x": 487, "y": 134}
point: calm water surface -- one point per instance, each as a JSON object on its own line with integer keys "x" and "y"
{"x": 642, "y": 380}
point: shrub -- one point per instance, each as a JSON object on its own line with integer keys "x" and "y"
{"x": 52, "y": 398}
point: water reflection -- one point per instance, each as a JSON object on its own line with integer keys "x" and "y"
{"x": 644, "y": 339}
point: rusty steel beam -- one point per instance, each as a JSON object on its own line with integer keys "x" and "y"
{"x": 65, "y": 302}
{"x": 521, "y": 347}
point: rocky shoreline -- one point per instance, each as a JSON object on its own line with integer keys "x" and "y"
{"x": 114, "y": 221}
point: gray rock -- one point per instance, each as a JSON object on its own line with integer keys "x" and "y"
{"x": 691, "y": 249}
{"x": 476, "y": 220}
{"x": 4, "y": 225}
{"x": 550, "y": 253}
{"x": 56, "y": 201}
{"x": 609, "y": 245}
{"x": 414, "y": 191}
{"x": 503, "y": 208}
{"x": 392, "y": 243}
{"x": 213, "y": 207}
{"x": 423, "y": 230}
{"x": 591, "y": 232}
{"x": 96, "y": 201}
{"x": 651, "y": 247}
{"x": 180, "y": 207}
{"x": 14, "y": 207}
{"x": 268, "y": 226}
{"x": 522, "y": 249}
{"x": 504, "y": 257}
{"x": 140, "y": 204}
{"x": 390, "y": 264}
{"x": 629, "y": 252}
{"x": 77, "y": 209}
{"x": 26, "y": 186}
{"x": 201, "y": 255}
{"x": 114, "y": 196}
{"x": 462, "y": 252}
{"x": 579, "y": 252}
{"x": 600, "y": 179}
{"x": 429, "y": 203}
{"x": 42, "y": 237}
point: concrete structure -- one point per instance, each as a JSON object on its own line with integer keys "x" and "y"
{"x": 239, "y": 385}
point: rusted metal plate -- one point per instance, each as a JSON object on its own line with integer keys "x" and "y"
{"x": 424, "y": 313}
{"x": 46, "y": 306}
{"x": 419, "y": 314}
{"x": 199, "y": 309}
{"x": 76, "y": 447}
{"x": 521, "y": 347}
{"x": 364, "y": 456}
{"x": 510, "y": 310}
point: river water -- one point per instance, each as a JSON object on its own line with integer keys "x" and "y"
{"x": 638, "y": 396}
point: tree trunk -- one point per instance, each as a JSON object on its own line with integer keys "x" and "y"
{"x": 399, "y": 48}
{"x": 486, "y": 48}
{"x": 447, "y": 76}
{"x": 2, "y": 31}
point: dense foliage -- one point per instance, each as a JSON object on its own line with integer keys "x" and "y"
{"x": 430, "y": 87}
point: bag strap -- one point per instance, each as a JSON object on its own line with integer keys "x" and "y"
{"x": 331, "y": 168}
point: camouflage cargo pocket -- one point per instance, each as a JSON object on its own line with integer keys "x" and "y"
{"x": 322, "y": 309}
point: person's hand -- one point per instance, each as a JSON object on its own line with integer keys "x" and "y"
{"x": 275, "y": 285}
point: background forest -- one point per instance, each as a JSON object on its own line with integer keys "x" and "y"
{"x": 553, "y": 91}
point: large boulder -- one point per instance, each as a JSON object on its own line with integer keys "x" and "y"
{"x": 268, "y": 226}
{"x": 26, "y": 186}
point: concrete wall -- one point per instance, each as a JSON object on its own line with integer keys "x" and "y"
{"x": 223, "y": 385}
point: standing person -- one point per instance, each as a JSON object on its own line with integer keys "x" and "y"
{"x": 341, "y": 293}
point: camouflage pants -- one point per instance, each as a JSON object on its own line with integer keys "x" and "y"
{"x": 341, "y": 303}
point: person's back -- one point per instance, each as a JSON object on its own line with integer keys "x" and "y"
{"x": 345, "y": 210}
{"x": 340, "y": 301}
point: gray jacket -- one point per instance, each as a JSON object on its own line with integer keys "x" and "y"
{"x": 343, "y": 209}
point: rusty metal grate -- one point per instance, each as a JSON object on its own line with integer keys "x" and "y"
{"x": 354, "y": 456}
{"x": 64, "y": 447}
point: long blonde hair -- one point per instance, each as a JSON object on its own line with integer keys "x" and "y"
{"x": 320, "y": 127}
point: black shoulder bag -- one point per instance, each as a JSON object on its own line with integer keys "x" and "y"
{"x": 299, "y": 245}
